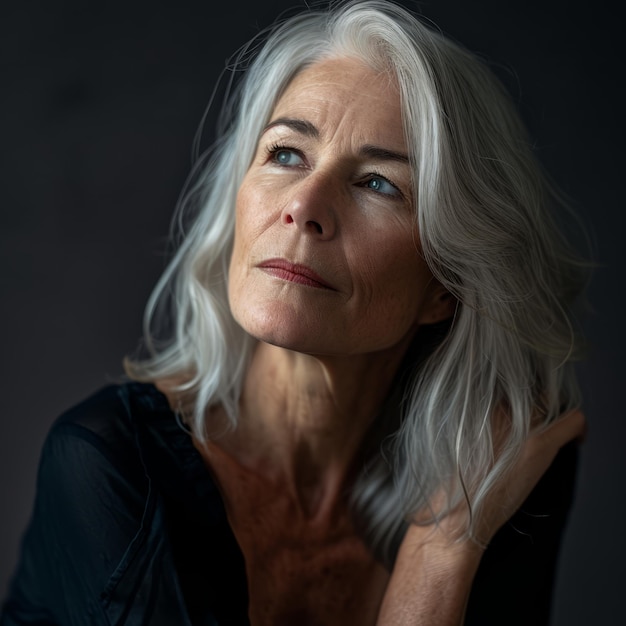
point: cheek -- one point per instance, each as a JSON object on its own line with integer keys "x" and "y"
{"x": 394, "y": 279}
{"x": 254, "y": 213}
{"x": 237, "y": 267}
{"x": 253, "y": 217}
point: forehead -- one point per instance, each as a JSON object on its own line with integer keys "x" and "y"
{"x": 346, "y": 93}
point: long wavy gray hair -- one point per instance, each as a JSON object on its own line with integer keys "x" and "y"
{"x": 486, "y": 231}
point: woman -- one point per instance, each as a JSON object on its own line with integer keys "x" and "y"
{"x": 365, "y": 333}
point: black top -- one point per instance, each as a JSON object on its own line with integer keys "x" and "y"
{"x": 129, "y": 528}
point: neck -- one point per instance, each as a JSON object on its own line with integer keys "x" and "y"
{"x": 303, "y": 419}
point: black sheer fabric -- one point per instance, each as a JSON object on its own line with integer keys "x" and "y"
{"x": 129, "y": 528}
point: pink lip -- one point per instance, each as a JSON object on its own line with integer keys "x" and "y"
{"x": 294, "y": 273}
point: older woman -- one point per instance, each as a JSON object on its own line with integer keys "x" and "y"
{"x": 358, "y": 365}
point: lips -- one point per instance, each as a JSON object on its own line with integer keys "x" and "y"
{"x": 294, "y": 272}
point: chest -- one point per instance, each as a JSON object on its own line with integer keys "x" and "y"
{"x": 301, "y": 575}
{"x": 304, "y": 570}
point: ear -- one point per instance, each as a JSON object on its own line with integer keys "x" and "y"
{"x": 439, "y": 306}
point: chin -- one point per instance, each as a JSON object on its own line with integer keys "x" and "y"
{"x": 280, "y": 325}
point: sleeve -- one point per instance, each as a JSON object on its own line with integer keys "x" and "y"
{"x": 88, "y": 510}
{"x": 515, "y": 580}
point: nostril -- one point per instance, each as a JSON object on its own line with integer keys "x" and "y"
{"x": 316, "y": 226}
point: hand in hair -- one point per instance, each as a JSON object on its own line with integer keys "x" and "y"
{"x": 434, "y": 569}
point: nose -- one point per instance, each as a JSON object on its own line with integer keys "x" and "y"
{"x": 310, "y": 207}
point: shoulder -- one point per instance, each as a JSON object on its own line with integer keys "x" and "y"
{"x": 93, "y": 504}
{"x": 99, "y": 432}
{"x": 101, "y": 446}
{"x": 91, "y": 463}
{"x": 110, "y": 414}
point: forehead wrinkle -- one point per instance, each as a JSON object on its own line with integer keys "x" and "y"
{"x": 325, "y": 97}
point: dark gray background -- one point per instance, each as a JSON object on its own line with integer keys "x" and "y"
{"x": 98, "y": 107}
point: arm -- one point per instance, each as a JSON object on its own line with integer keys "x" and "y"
{"x": 430, "y": 583}
{"x": 433, "y": 575}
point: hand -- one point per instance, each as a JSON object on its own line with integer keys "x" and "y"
{"x": 535, "y": 458}
{"x": 434, "y": 569}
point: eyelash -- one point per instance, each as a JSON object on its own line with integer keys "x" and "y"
{"x": 274, "y": 148}
{"x": 372, "y": 175}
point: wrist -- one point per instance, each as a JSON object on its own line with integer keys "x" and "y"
{"x": 431, "y": 580}
{"x": 452, "y": 559}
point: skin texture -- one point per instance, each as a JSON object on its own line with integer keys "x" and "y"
{"x": 329, "y": 190}
{"x": 318, "y": 208}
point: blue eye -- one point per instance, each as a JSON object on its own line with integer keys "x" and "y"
{"x": 285, "y": 156}
{"x": 382, "y": 185}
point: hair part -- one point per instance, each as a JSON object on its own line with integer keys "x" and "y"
{"x": 486, "y": 232}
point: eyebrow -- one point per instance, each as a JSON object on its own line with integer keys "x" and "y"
{"x": 304, "y": 127}
{"x": 383, "y": 154}
{"x": 300, "y": 126}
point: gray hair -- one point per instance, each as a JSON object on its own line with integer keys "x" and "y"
{"x": 487, "y": 234}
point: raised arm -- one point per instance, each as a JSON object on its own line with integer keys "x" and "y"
{"x": 434, "y": 573}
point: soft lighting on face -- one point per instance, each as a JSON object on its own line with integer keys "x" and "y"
{"x": 325, "y": 258}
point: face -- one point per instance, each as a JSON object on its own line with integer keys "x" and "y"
{"x": 326, "y": 257}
